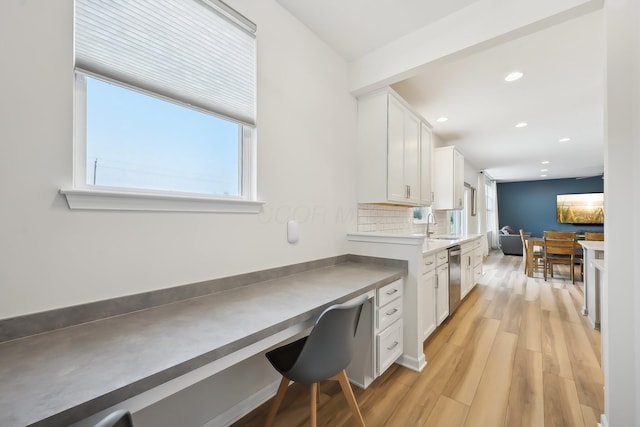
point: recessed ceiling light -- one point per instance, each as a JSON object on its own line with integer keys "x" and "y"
{"x": 522, "y": 125}
{"x": 543, "y": 175}
{"x": 442, "y": 119}
{"x": 545, "y": 162}
{"x": 512, "y": 77}
{"x": 564, "y": 140}
{"x": 544, "y": 170}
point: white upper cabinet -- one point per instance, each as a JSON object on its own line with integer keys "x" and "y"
{"x": 448, "y": 178}
{"x": 390, "y": 167}
{"x": 426, "y": 168}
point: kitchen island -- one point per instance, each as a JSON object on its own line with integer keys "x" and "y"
{"x": 592, "y": 250}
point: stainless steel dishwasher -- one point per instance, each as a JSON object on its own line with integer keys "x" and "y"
{"x": 454, "y": 278}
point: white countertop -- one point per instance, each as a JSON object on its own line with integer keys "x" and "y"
{"x": 594, "y": 245}
{"x": 433, "y": 244}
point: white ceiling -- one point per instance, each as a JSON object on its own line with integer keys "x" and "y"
{"x": 561, "y": 93}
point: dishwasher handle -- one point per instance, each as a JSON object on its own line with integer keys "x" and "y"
{"x": 455, "y": 251}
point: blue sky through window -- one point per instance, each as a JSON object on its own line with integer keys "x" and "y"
{"x": 139, "y": 141}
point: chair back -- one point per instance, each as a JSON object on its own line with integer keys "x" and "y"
{"x": 329, "y": 347}
{"x": 119, "y": 418}
{"x": 560, "y": 243}
{"x": 590, "y": 235}
{"x": 525, "y": 250}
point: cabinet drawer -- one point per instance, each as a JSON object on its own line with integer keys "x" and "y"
{"x": 476, "y": 243}
{"x": 477, "y": 273}
{"x": 476, "y": 257}
{"x": 429, "y": 262}
{"x": 388, "y": 314}
{"x": 389, "y": 346}
{"x": 466, "y": 247}
{"x": 389, "y": 292}
{"x": 442, "y": 257}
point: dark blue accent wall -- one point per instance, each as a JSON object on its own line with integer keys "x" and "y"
{"x": 531, "y": 205}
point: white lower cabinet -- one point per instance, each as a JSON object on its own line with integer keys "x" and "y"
{"x": 466, "y": 270}
{"x": 470, "y": 266}
{"x": 476, "y": 261}
{"x": 388, "y": 329}
{"x": 442, "y": 292}
{"x": 428, "y": 294}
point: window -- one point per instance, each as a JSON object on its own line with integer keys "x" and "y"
{"x": 138, "y": 141}
{"x": 165, "y": 107}
{"x": 459, "y": 218}
{"x": 492, "y": 225}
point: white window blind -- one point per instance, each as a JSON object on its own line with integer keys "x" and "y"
{"x": 198, "y": 52}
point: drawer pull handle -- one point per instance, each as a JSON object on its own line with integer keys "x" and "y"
{"x": 429, "y": 263}
{"x": 394, "y": 345}
{"x": 392, "y": 291}
{"x": 390, "y": 312}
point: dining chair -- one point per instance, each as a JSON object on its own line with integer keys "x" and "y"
{"x": 323, "y": 355}
{"x": 119, "y": 418}
{"x": 592, "y": 235}
{"x": 536, "y": 257}
{"x": 559, "y": 248}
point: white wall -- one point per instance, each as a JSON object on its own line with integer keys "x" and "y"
{"x": 621, "y": 317}
{"x": 52, "y": 257}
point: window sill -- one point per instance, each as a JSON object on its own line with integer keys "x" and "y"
{"x": 94, "y": 199}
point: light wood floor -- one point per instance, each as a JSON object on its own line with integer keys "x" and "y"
{"x": 516, "y": 353}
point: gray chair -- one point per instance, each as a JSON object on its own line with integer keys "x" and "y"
{"x": 323, "y": 355}
{"x": 119, "y": 418}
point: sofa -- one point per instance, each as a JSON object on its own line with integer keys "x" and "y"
{"x": 510, "y": 241}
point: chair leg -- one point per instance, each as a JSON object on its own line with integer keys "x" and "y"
{"x": 314, "y": 403}
{"x": 277, "y": 400}
{"x": 342, "y": 378}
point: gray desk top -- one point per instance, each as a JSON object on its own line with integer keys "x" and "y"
{"x": 60, "y": 377}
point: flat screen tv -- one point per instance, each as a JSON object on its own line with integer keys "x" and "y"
{"x": 586, "y": 208}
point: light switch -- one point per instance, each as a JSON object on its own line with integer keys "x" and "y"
{"x": 293, "y": 232}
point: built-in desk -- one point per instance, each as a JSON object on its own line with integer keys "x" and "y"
{"x": 592, "y": 250}
{"x": 62, "y": 376}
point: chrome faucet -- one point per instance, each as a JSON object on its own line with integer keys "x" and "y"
{"x": 430, "y": 220}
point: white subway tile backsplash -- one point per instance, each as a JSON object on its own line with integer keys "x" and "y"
{"x": 385, "y": 218}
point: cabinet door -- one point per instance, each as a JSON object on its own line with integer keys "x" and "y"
{"x": 396, "y": 190}
{"x": 458, "y": 179}
{"x": 442, "y": 293}
{"x": 466, "y": 274}
{"x": 428, "y": 283}
{"x": 412, "y": 157}
{"x": 426, "y": 193}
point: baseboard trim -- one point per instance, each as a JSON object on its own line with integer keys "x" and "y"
{"x": 604, "y": 422}
{"x": 412, "y": 363}
{"x": 241, "y": 409}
